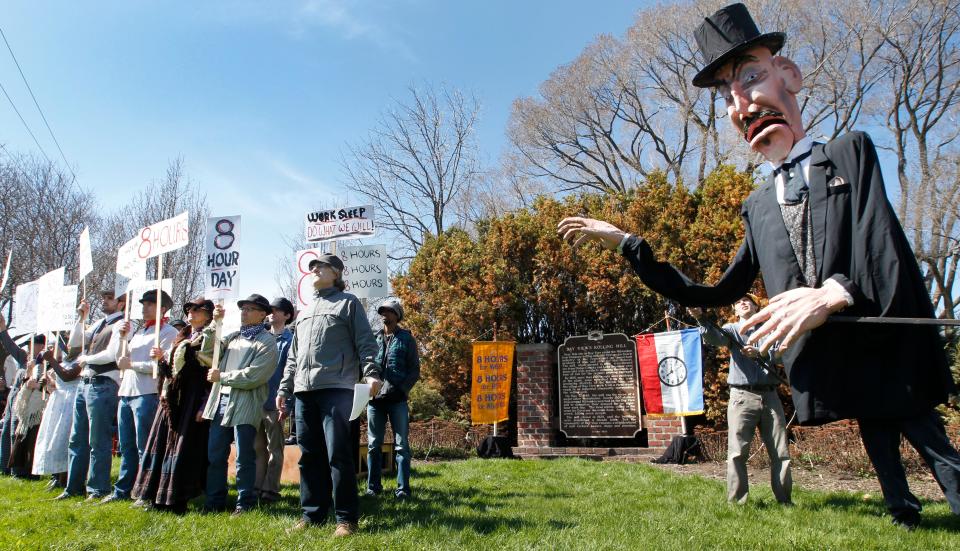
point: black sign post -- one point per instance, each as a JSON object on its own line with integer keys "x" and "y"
{"x": 599, "y": 386}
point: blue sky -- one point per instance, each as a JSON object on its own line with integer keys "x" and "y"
{"x": 258, "y": 97}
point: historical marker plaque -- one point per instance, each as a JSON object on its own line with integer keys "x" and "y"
{"x": 599, "y": 386}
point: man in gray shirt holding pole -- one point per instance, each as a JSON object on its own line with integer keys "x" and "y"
{"x": 753, "y": 403}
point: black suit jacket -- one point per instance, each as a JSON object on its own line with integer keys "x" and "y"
{"x": 837, "y": 371}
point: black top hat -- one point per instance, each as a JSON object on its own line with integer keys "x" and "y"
{"x": 257, "y": 301}
{"x": 151, "y": 296}
{"x": 329, "y": 260}
{"x": 285, "y": 306}
{"x": 725, "y": 34}
{"x": 201, "y": 303}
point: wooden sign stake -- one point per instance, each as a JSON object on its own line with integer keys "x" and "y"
{"x": 156, "y": 334}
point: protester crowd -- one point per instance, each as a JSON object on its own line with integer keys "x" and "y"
{"x": 177, "y": 395}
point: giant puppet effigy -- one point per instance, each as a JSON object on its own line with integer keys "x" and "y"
{"x": 824, "y": 236}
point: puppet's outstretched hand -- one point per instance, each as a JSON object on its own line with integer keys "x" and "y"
{"x": 577, "y": 230}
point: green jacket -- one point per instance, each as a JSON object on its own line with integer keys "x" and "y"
{"x": 245, "y": 367}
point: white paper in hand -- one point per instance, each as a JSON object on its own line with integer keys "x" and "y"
{"x": 361, "y": 395}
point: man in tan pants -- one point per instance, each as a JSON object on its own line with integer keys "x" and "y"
{"x": 269, "y": 440}
{"x": 753, "y": 404}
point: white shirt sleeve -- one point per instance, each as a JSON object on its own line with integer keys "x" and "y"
{"x": 846, "y": 295}
{"x": 77, "y": 336}
{"x": 167, "y": 336}
{"x": 108, "y": 354}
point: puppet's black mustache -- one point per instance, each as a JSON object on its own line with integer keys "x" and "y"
{"x": 753, "y": 117}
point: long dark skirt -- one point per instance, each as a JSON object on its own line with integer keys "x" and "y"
{"x": 174, "y": 466}
{"x": 21, "y": 453}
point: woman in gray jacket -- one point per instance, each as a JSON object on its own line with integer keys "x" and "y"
{"x": 333, "y": 346}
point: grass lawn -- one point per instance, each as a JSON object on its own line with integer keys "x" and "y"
{"x": 496, "y": 504}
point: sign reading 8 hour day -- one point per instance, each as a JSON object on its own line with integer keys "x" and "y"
{"x": 223, "y": 257}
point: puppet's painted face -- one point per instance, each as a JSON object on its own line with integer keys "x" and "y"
{"x": 760, "y": 91}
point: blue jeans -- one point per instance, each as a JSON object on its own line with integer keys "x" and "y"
{"x": 6, "y": 434}
{"x": 134, "y": 419}
{"x": 91, "y": 437}
{"x": 399, "y": 416}
{"x": 218, "y": 452}
{"x": 327, "y": 462}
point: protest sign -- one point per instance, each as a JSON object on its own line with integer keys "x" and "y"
{"x": 163, "y": 237}
{"x": 138, "y": 288}
{"x": 366, "y": 270}
{"x": 49, "y": 295}
{"x": 157, "y": 239}
{"x": 223, "y": 257}
{"x": 64, "y": 309}
{"x": 25, "y": 308}
{"x": 304, "y": 277}
{"x": 490, "y": 381}
{"x": 86, "y": 254}
{"x": 129, "y": 266}
{"x": 6, "y": 272}
{"x": 330, "y": 225}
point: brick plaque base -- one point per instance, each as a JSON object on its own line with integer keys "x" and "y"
{"x": 538, "y": 422}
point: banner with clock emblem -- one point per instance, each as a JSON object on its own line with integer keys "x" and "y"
{"x": 671, "y": 372}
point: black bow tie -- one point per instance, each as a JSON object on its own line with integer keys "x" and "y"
{"x": 795, "y": 190}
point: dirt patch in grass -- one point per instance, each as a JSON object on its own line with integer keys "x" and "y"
{"x": 817, "y": 478}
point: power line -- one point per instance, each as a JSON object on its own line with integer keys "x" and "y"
{"x": 14, "y": 159}
{"x": 25, "y": 125}
{"x": 42, "y": 116}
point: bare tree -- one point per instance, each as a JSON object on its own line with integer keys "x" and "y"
{"x": 922, "y": 50}
{"x": 626, "y": 107}
{"x": 623, "y": 109}
{"x": 417, "y": 164}
{"x": 162, "y": 199}
{"x": 42, "y": 214}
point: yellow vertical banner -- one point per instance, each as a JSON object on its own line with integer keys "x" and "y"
{"x": 490, "y": 388}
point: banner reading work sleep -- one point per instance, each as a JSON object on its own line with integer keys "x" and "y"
{"x": 490, "y": 388}
{"x": 671, "y": 368}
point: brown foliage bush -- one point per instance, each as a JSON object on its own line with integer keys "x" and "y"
{"x": 516, "y": 272}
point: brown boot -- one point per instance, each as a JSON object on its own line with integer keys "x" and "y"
{"x": 345, "y": 529}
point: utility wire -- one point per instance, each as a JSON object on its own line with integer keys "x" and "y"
{"x": 25, "y": 125}
{"x": 35, "y": 102}
{"x": 14, "y": 159}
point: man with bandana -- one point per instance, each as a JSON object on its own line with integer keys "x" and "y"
{"x": 825, "y": 238}
{"x": 235, "y": 406}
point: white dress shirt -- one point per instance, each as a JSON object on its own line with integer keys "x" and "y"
{"x": 804, "y": 145}
{"x": 138, "y": 380}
